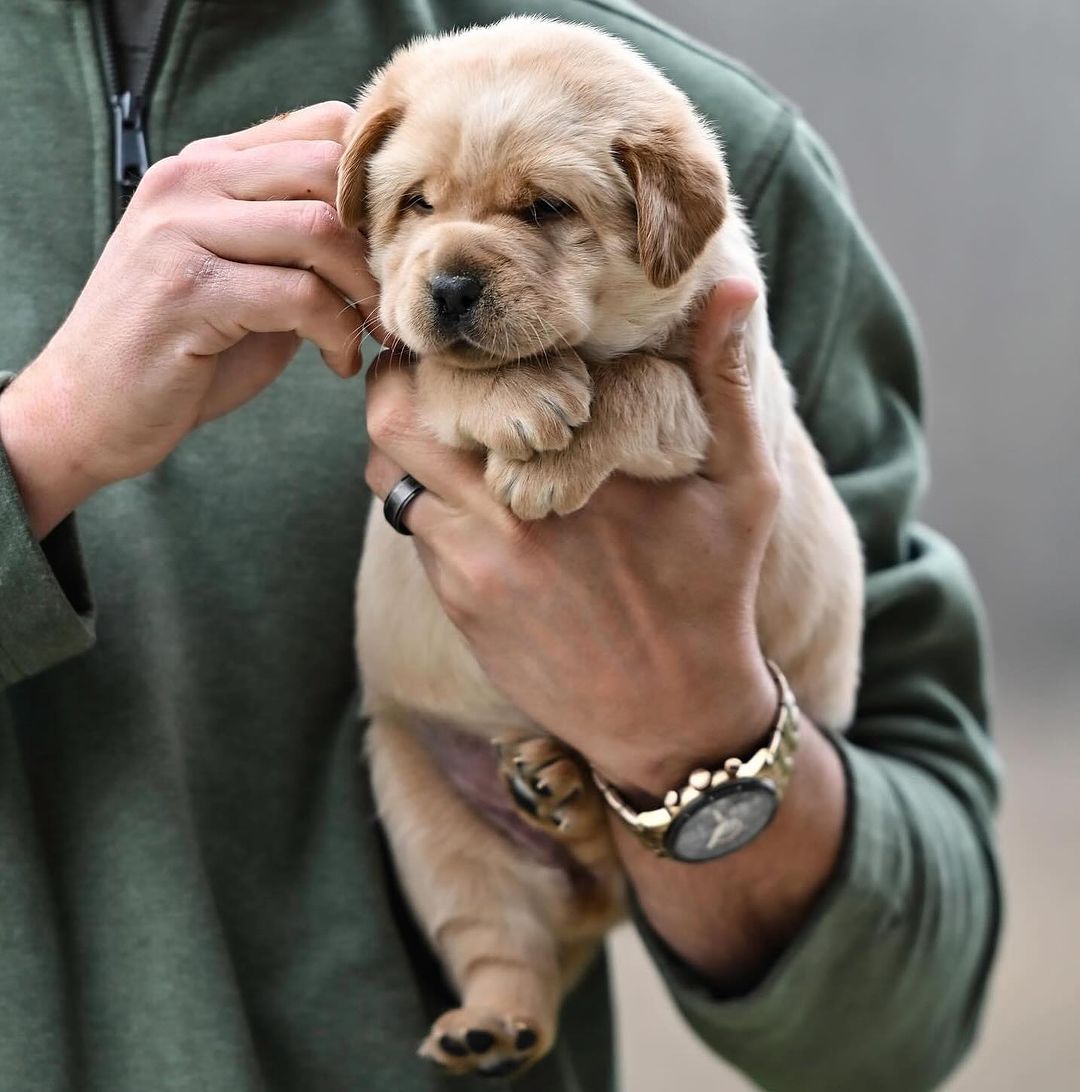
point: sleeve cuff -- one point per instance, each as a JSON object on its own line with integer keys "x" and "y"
{"x": 46, "y": 609}
{"x": 857, "y": 906}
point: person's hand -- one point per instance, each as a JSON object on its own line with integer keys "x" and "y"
{"x": 227, "y": 256}
{"x": 626, "y": 629}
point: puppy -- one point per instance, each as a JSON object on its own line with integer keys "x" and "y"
{"x": 545, "y": 213}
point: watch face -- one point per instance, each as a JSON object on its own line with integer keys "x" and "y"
{"x": 721, "y": 820}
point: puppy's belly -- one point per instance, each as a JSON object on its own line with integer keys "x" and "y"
{"x": 412, "y": 657}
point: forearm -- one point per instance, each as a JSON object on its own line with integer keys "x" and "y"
{"x": 728, "y": 919}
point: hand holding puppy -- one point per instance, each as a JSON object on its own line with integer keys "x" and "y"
{"x": 627, "y": 628}
{"x": 227, "y": 256}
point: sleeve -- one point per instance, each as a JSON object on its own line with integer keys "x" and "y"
{"x": 46, "y": 610}
{"x": 883, "y": 987}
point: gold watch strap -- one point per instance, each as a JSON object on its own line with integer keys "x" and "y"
{"x": 774, "y": 762}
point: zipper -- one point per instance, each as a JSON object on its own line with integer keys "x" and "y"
{"x": 131, "y": 159}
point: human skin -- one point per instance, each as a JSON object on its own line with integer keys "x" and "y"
{"x": 641, "y": 605}
{"x": 229, "y": 254}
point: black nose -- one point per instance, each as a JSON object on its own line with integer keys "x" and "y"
{"x": 455, "y": 295}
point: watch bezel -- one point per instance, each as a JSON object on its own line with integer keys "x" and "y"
{"x": 710, "y": 796}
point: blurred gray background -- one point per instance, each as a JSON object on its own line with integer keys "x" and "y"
{"x": 958, "y": 126}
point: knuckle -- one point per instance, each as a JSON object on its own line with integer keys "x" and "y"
{"x": 325, "y": 153}
{"x": 198, "y": 273}
{"x": 480, "y": 579}
{"x": 204, "y": 146}
{"x": 306, "y": 290}
{"x": 334, "y": 114}
{"x": 319, "y": 220}
{"x": 377, "y": 471}
{"x": 164, "y": 177}
{"x": 177, "y": 172}
{"x": 456, "y": 598}
{"x": 389, "y": 420}
{"x": 372, "y": 476}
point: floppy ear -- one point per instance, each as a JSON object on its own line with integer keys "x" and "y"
{"x": 367, "y": 135}
{"x": 680, "y": 191}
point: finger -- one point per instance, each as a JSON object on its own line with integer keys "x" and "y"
{"x": 301, "y": 234}
{"x": 323, "y": 121}
{"x": 277, "y": 172}
{"x": 395, "y": 427}
{"x": 425, "y": 514}
{"x": 243, "y": 298}
{"x": 719, "y": 367}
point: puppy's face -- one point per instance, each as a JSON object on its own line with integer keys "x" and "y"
{"x": 510, "y": 208}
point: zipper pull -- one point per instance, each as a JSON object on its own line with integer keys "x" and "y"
{"x": 129, "y": 144}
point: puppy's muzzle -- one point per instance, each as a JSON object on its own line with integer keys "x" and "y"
{"x": 454, "y": 297}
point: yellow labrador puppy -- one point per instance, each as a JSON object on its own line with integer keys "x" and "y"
{"x": 545, "y": 213}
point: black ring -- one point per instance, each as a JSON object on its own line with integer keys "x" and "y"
{"x": 398, "y": 500}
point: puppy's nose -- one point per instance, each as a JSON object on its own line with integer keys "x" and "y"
{"x": 455, "y": 295}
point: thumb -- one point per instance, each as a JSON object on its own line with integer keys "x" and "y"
{"x": 718, "y": 367}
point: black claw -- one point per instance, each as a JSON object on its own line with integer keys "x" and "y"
{"x": 449, "y": 1045}
{"x": 479, "y": 1041}
{"x": 557, "y": 410}
{"x": 537, "y": 770}
{"x": 521, "y": 796}
{"x": 526, "y": 1038}
{"x": 502, "y": 1069}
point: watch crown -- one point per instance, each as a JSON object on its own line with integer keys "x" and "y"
{"x": 700, "y": 779}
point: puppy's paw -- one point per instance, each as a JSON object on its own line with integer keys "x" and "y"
{"x": 531, "y": 409}
{"x": 553, "y": 482}
{"x": 553, "y": 788}
{"x": 490, "y": 1044}
{"x": 676, "y": 433}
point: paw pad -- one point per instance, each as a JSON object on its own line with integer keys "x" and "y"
{"x": 484, "y": 1043}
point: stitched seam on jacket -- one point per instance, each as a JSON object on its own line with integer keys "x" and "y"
{"x": 769, "y": 156}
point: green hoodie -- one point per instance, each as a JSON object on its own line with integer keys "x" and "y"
{"x": 194, "y": 894}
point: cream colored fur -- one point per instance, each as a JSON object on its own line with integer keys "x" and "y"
{"x": 591, "y": 309}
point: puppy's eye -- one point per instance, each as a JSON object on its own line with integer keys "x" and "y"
{"x": 416, "y": 201}
{"x": 545, "y": 209}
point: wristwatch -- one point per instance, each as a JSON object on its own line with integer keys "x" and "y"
{"x": 719, "y": 811}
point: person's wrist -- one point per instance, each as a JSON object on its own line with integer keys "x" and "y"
{"x": 732, "y": 719}
{"x": 43, "y": 443}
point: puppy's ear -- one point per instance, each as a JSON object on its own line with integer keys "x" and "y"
{"x": 367, "y": 135}
{"x": 680, "y": 190}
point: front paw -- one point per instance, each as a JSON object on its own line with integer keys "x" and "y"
{"x": 533, "y": 409}
{"x": 552, "y": 788}
{"x": 550, "y": 483}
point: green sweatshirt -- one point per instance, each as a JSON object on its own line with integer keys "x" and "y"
{"x": 194, "y": 894}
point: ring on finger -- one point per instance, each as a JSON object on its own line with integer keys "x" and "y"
{"x": 398, "y": 500}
